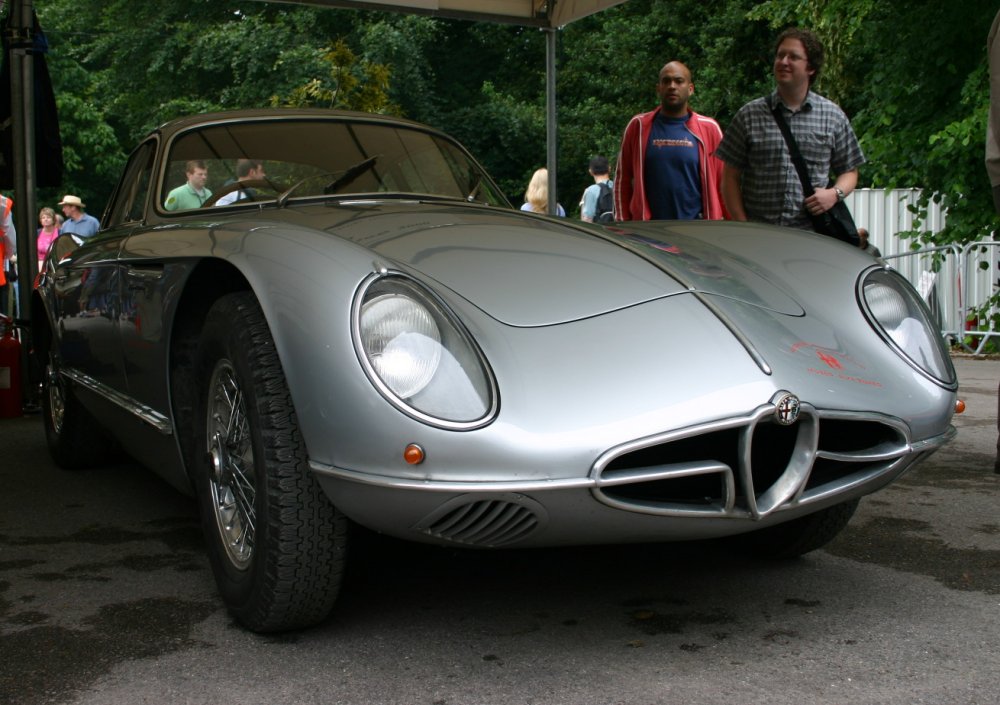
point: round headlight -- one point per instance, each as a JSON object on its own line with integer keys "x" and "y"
{"x": 900, "y": 316}
{"x": 419, "y": 356}
{"x": 402, "y": 341}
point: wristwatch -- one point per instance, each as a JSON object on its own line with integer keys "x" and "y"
{"x": 840, "y": 193}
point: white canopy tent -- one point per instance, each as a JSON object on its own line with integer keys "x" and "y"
{"x": 548, "y": 15}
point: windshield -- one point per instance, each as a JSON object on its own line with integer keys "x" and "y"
{"x": 238, "y": 163}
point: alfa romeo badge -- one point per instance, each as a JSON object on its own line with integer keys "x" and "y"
{"x": 786, "y": 409}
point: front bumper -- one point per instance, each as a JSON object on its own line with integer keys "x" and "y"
{"x": 724, "y": 477}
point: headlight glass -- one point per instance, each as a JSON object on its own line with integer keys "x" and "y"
{"x": 403, "y": 342}
{"x": 900, "y": 316}
{"x": 419, "y": 356}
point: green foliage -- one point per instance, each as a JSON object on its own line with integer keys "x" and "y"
{"x": 121, "y": 68}
{"x": 401, "y": 44}
{"x": 92, "y": 153}
{"x": 346, "y": 84}
{"x": 836, "y": 22}
{"x": 921, "y": 117}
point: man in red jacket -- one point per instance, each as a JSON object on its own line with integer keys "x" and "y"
{"x": 666, "y": 167}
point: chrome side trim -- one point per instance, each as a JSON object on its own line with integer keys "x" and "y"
{"x": 934, "y": 443}
{"x": 431, "y": 485}
{"x": 144, "y": 413}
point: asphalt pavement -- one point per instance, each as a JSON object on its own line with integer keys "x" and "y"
{"x": 106, "y": 598}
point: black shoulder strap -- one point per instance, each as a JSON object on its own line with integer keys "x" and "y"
{"x": 793, "y": 149}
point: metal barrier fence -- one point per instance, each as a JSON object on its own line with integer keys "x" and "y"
{"x": 954, "y": 281}
{"x": 936, "y": 274}
{"x": 979, "y": 262}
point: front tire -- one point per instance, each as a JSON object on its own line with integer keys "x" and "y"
{"x": 276, "y": 544}
{"x": 799, "y": 536}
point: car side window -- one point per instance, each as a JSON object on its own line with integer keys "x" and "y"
{"x": 130, "y": 199}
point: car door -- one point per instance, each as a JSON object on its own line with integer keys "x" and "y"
{"x": 141, "y": 332}
{"x": 86, "y": 305}
{"x": 88, "y": 288}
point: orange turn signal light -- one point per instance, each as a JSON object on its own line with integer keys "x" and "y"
{"x": 959, "y": 406}
{"x": 413, "y": 454}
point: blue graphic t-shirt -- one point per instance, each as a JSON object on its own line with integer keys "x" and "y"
{"x": 673, "y": 186}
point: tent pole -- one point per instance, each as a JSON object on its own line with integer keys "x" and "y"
{"x": 551, "y": 36}
{"x": 23, "y": 131}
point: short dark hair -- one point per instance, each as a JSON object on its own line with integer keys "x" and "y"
{"x": 599, "y": 166}
{"x": 812, "y": 45}
{"x": 245, "y": 166}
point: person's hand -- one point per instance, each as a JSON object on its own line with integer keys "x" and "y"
{"x": 821, "y": 201}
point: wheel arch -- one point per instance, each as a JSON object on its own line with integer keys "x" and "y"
{"x": 210, "y": 280}
{"x": 304, "y": 282}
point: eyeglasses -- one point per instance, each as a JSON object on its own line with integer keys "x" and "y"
{"x": 790, "y": 55}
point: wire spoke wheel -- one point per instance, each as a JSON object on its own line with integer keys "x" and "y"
{"x": 75, "y": 439}
{"x": 56, "y": 398}
{"x": 276, "y": 544}
{"x": 233, "y": 475}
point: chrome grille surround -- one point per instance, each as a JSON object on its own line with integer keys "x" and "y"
{"x": 749, "y": 467}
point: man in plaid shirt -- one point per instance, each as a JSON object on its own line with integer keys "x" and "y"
{"x": 759, "y": 181}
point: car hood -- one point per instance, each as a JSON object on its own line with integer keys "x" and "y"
{"x": 527, "y": 270}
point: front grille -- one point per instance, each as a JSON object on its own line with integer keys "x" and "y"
{"x": 752, "y": 465}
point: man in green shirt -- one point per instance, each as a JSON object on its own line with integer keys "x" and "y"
{"x": 192, "y": 194}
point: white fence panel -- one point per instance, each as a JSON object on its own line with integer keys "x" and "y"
{"x": 885, "y": 213}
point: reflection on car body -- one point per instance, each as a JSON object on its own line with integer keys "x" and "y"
{"x": 376, "y": 336}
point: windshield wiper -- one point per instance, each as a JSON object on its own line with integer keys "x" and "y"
{"x": 343, "y": 178}
{"x": 471, "y": 198}
{"x": 286, "y": 194}
{"x": 350, "y": 174}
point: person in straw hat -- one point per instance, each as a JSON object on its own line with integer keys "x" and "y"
{"x": 77, "y": 222}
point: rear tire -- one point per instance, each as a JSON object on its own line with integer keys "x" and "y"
{"x": 75, "y": 440}
{"x": 799, "y": 536}
{"x": 276, "y": 544}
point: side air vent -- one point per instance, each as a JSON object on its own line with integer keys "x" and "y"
{"x": 487, "y": 523}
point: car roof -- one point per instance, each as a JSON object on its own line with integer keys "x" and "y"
{"x": 188, "y": 121}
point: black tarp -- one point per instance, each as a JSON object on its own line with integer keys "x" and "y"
{"x": 48, "y": 164}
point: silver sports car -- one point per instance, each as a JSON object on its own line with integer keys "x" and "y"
{"x": 314, "y": 318}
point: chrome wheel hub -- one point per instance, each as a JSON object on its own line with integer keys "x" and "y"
{"x": 232, "y": 478}
{"x": 57, "y": 402}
